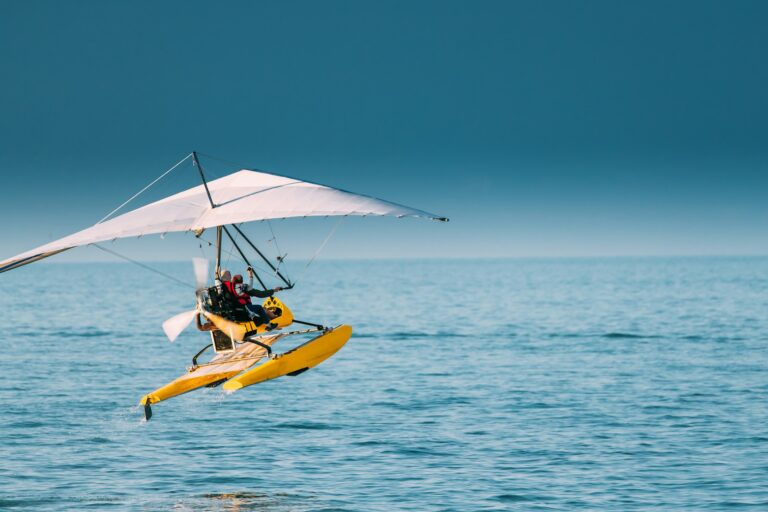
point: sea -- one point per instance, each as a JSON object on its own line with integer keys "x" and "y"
{"x": 616, "y": 384}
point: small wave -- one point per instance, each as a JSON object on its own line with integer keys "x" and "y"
{"x": 25, "y": 502}
{"x": 607, "y": 335}
{"x": 569, "y": 335}
{"x": 627, "y": 335}
{"x": 511, "y": 498}
{"x": 540, "y": 405}
{"x": 84, "y": 334}
{"x": 725, "y": 339}
{"x": 235, "y": 495}
{"x": 417, "y": 452}
{"x": 99, "y": 440}
{"x": 407, "y": 335}
{"x": 402, "y": 335}
{"x": 26, "y": 424}
{"x": 370, "y": 443}
{"x": 399, "y": 335}
{"x": 453, "y": 400}
{"x": 394, "y": 405}
{"x": 34, "y": 502}
{"x": 660, "y": 407}
{"x": 71, "y": 334}
{"x": 306, "y": 425}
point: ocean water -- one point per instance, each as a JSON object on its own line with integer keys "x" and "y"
{"x": 587, "y": 384}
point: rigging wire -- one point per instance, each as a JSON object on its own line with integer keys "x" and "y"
{"x": 202, "y": 251}
{"x": 274, "y": 239}
{"x": 274, "y": 272}
{"x": 137, "y": 194}
{"x": 264, "y": 258}
{"x": 142, "y": 265}
{"x": 280, "y": 256}
{"x": 322, "y": 245}
{"x": 231, "y": 252}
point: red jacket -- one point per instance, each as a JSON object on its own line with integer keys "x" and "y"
{"x": 242, "y": 298}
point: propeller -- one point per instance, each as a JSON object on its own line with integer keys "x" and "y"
{"x": 201, "y": 272}
{"x": 177, "y": 323}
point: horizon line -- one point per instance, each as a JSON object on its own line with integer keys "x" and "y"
{"x": 458, "y": 258}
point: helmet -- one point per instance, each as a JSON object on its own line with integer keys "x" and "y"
{"x": 237, "y": 279}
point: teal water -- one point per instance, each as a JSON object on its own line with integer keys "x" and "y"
{"x": 617, "y": 384}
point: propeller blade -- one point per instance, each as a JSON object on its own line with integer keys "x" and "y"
{"x": 176, "y": 324}
{"x": 201, "y": 272}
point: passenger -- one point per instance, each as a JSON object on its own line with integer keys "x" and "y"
{"x": 243, "y": 293}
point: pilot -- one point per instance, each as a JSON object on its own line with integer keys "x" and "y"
{"x": 224, "y": 277}
{"x": 243, "y": 293}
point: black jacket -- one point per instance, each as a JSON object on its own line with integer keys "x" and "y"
{"x": 253, "y": 292}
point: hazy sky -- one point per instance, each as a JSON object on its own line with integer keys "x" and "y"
{"x": 540, "y": 128}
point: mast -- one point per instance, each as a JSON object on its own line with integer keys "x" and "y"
{"x": 202, "y": 177}
{"x": 242, "y": 255}
{"x": 196, "y": 162}
{"x": 217, "y": 271}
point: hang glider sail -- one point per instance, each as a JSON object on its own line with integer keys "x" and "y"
{"x": 243, "y": 196}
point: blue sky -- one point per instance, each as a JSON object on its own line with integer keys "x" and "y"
{"x": 540, "y": 128}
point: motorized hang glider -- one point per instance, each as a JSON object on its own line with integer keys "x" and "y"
{"x": 238, "y": 341}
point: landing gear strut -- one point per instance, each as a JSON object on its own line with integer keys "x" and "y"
{"x": 194, "y": 359}
{"x": 263, "y": 345}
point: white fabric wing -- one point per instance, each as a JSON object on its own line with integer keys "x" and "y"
{"x": 243, "y": 196}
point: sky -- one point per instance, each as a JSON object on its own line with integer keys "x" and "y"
{"x": 540, "y": 128}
